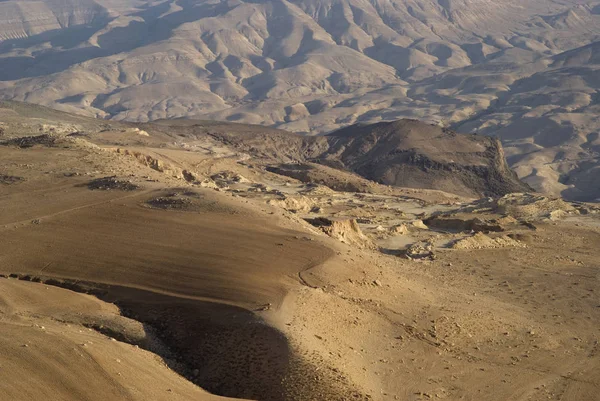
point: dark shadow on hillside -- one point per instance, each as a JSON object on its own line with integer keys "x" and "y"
{"x": 67, "y": 38}
{"x": 224, "y": 349}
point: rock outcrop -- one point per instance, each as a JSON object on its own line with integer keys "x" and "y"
{"x": 344, "y": 230}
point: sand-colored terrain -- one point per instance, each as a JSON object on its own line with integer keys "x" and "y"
{"x": 206, "y": 274}
{"x": 49, "y": 350}
{"x": 523, "y": 70}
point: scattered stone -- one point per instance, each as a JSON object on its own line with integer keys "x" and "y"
{"x": 209, "y": 183}
{"x": 465, "y": 222}
{"x": 419, "y": 224}
{"x": 400, "y": 229}
{"x": 25, "y": 142}
{"x": 264, "y": 307}
{"x": 316, "y": 209}
{"x": 71, "y": 174}
{"x": 10, "y": 179}
{"x": 108, "y": 183}
{"x": 420, "y": 250}
{"x": 259, "y": 188}
{"x": 557, "y": 215}
{"x": 225, "y": 178}
{"x": 189, "y": 176}
{"x": 166, "y": 202}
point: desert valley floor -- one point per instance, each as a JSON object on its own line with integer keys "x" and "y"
{"x": 160, "y": 262}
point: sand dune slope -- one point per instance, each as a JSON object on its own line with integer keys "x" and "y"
{"x": 47, "y": 353}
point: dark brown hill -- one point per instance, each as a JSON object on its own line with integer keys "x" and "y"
{"x": 403, "y": 153}
{"x": 409, "y": 153}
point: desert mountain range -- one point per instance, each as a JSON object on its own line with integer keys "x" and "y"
{"x": 525, "y": 71}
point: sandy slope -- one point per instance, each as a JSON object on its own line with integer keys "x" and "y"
{"x": 256, "y": 303}
{"x": 169, "y": 252}
{"x": 177, "y": 269}
{"x": 47, "y": 354}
